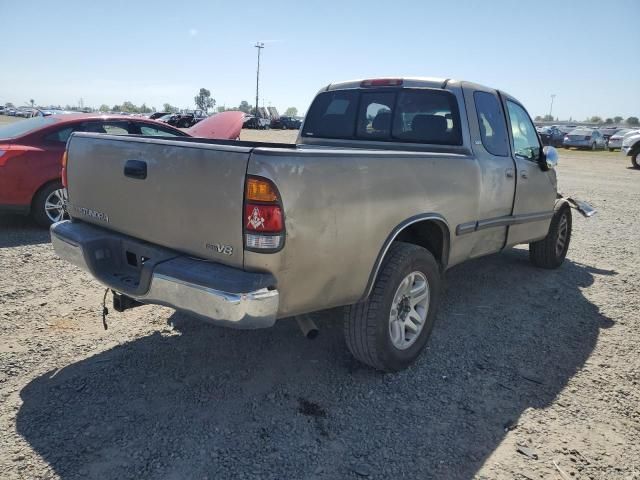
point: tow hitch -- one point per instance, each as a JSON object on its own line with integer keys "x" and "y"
{"x": 121, "y": 303}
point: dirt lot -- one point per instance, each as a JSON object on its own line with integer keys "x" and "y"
{"x": 529, "y": 374}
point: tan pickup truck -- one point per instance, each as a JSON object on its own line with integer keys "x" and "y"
{"x": 392, "y": 181}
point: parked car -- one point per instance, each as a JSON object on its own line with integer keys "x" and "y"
{"x": 421, "y": 175}
{"x": 183, "y": 120}
{"x": 31, "y": 154}
{"x": 286, "y": 123}
{"x": 11, "y": 112}
{"x": 585, "y": 138}
{"x": 157, "y": 115}
{"x": 631, "y": 147}
{"x": 256, "y": 123}
{"x": 551, "y": 136}
{"x": 2, "y": 109}
{"x": 607, "y": 132}
{"x": 615, "y": 140}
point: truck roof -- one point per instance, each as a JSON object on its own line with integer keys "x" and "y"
{"x": 429, "y": 82}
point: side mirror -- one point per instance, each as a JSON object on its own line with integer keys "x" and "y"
{"x": 549, "y": 158}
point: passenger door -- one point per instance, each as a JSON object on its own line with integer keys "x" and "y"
{"x": 535, "y": 189}
{"x": 491, "y": 148}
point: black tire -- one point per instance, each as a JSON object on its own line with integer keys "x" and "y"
{"x": 366, "y": 324}
{"x": 38, "y": 212}
{"x": 546, "y": 253}
{"x": 635, "y": 159}
{"x": 611, "y": 149}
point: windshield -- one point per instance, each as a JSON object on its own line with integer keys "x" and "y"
{"x": 23, "y": 127}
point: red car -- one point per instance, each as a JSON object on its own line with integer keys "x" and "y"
{"x": 31, "y": 154}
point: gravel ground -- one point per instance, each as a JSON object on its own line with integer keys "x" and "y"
{"x": 529, "y": 373}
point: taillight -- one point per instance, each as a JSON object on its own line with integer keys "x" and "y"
{"x": 63, "y": 174}
{"x": 263, "y": 216}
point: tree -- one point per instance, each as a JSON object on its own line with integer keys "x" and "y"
{"x": 609, "y": 121}
{"x": 221, "y": 109}
{"x": 32, "y": 102}
{"x": 595, "y": 119}
{"x": 537, "y": 119}
{"x": 104, "y": 107}
{"x": 617, "y": 119}
{"x": 245, "y": 107}
{"x": 291, "y": 112}
{"x": 167, "y": 107}
{"x": 203, "y": 100}
{"x": 116, "y": 108}
{"x": 9, "y": 105}
{"x": 633, "y": 121}
{"x": 547, "y": 118}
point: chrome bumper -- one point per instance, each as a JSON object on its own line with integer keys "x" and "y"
{"x": 185, "y": 284}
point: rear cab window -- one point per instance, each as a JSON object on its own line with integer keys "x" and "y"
{"x": 411, "y": 115}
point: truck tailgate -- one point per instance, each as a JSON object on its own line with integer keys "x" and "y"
{"x": 183, "y": 195}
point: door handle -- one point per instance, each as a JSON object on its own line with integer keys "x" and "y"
{"x": 524, "y": 174}
{"x": 135, "y": 169}
{"x": 509, "y": 172}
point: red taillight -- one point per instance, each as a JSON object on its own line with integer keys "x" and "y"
{"x": 263, "y": 217}
{"x": 382, "y": 82}
{"x": 63, "y": 173}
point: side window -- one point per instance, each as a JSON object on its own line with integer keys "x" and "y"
{"x": 525, "y": 139}
{"x": 493, "y": 130}
{"x": 116, "y": 128}
{"x": 374, "y": 118}
{"x": 154, "y": 131}
{"x": 62, "y": 135}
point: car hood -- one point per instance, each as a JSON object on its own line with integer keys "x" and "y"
{"x": 224, "y": 126}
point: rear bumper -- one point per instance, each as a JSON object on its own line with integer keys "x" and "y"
{"x": 156, "y": 275}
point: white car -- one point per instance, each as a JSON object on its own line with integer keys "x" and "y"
{"x": 631, "y": 147}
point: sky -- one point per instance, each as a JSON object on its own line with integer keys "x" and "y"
{"x": 585, "y": 53}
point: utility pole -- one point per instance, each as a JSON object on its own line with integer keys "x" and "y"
{"x": 259, "y": 46}
{"x": 551, "y": 108}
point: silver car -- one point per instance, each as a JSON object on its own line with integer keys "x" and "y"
{"x": 583, "y": 137}
{"x": 615, "y": 140}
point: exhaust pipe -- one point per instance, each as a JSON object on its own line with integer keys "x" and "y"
{"x": 308, "y": 326}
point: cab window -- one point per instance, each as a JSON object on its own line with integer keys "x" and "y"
{"x": 525, "y": 139}
{"x": 154, "y": 131}
{"x": 493, "y": 130}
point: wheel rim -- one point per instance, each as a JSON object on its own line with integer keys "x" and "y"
{"x": 563, "y": 233}
{"x": 55, "y": 205}
{"x": 409, "y": 310}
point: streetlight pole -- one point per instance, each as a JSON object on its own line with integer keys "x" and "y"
{"x": 259, "y": 46}
{"x": 551, "y": 108}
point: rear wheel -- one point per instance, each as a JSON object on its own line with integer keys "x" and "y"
{"x": 390, "y": 329}
{"x": 49, "y": 205}
{"x": 611, "y": 149}
{"x": 551, "y": 251}
{"x": 635, "y": 159}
